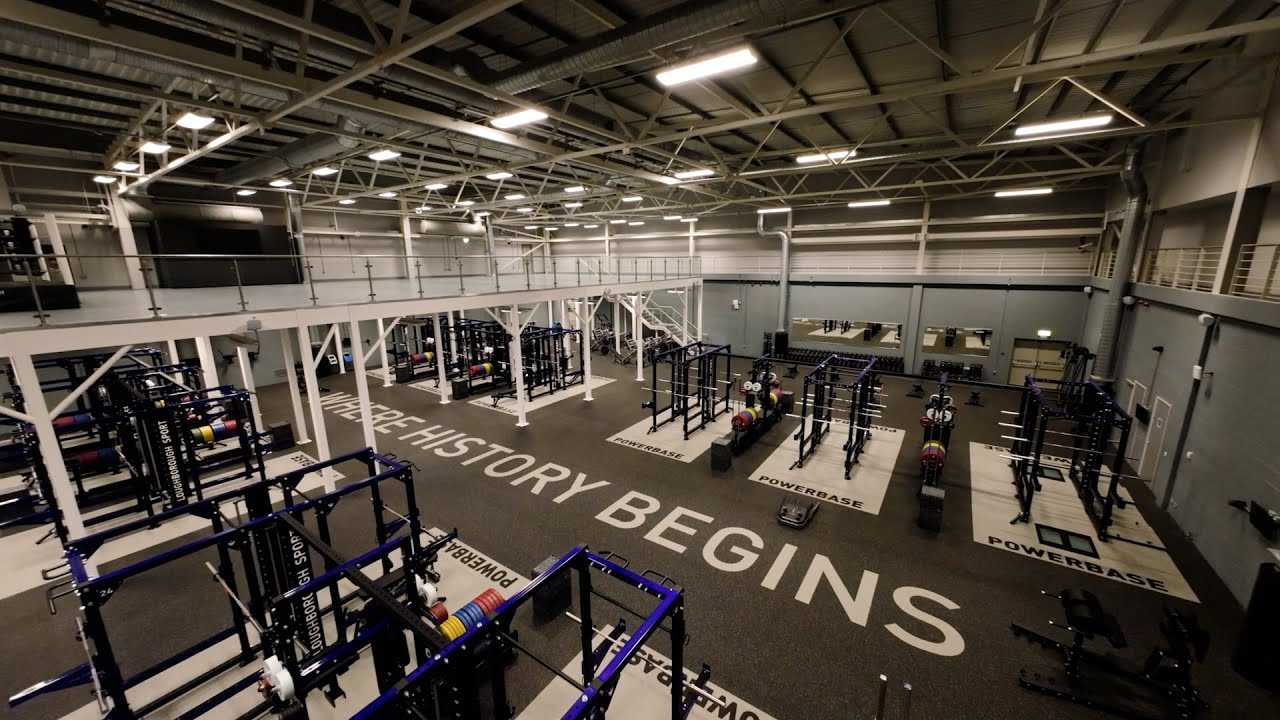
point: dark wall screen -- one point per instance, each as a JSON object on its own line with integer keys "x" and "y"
{"x": 187, "y": 237}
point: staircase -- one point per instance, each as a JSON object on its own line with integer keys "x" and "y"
{"x": 664, "y": 319}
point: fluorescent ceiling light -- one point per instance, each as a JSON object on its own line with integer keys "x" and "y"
{"x": 573, "y": 205}
{"x": 524, "y": 209}
{"x": 1044, "y": 333}
{"x": 575, "y": 189}
{"x": 498, "y": 176}
{"x": 104, "y": 179}
{"x": 868, "y": 203}
{"x": 688, "y": 219}
{"x": 155, "y": 147}
{"x": 1050, "y": 127}
{"x": 572, "y": 224}
{"x": 246, "y": 192}
{"x": 520, "y": 117}
{"x": 833, "y": 156}
{"x": 435, "y": 186}
{"x": 530, "y": 227}
{"x": 280, "y": 182}
{"x": 513, "y": 196}
{"x": 387, "y": 194}
{"x": 635, "y": 223}
{"x": 699, "y": 173}
{"x": 617, "y": 222}
{"x": 195, "y": 121}
{"x": 551, "y": 227}
{"x": 325, "y": 171}
{"x": 708, "y": 66}
{"x": 383, "y": 155}
{"x": 672, "y": 217}
{"x": 126, "y": 166}
{"x": 466, "y": 203}
{"x": 590, "y": 227}
{"x": 346, "y": 201}
{"x": 665, "y": 180}
{"x": 1024, "y": 191}
{"x": 770, "y": 211}
{"x": 631, "y": 198}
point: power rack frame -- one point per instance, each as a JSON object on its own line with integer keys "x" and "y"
{"x": 851, "y": 381}
{"x": 698, "y": 392}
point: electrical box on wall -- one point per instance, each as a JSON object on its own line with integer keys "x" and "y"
{"x": 737, "y": 304}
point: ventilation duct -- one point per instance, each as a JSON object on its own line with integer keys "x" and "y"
{"x": 636, "y": 39}
{"x": 780, "y": 337}
{"x": 460, "y": 63}
{"x": 1126, "y": 250}
{"x": 291, "y": 158}
{"x": 146, "y": 211}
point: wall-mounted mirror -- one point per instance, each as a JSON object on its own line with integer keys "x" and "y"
{"x": 854, "y": 333}
{"x": 956, "y": 341}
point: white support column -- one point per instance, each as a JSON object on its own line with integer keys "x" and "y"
{"x": 313, "y": 393}
{"x": 588, "y": 322}
{"x": 128, "y": 245}
{"x": 382, "y": 354}
{"x": 406, "y": 232}
{"x": 517, "y": 365}
{"x": 617, "y": 326}
{"x": 564, "y": 323}
{"x": 247, "y": 382}
{"x": 699, "y": 286}
{"x": 684, "y": 314}
{"x": 38, "y": 246}
{"x": 291, "y": 376}
{"x": 923, "y": 238}
{"x": 551, "y": 313}
{"x": 50, "y": 452}
{"x": 59, "y": 249}
{"x": 362, "y": 389}
{"x": 637, "y": 333}
{"x": 174, "y": 359}
{"x": 208, "y": 368}
{"x": 442, "y": 377}
{"x": 337, "y": 348}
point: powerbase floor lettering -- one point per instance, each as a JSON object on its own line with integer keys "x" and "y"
{"x": 22, "y": 559}
{"x": 1056, "y": 508}
{"x": 668, "y": 440}
{"x": 507, "y": 405}
{"x": 822, "y": 477}
{"x": 644, "y": 691}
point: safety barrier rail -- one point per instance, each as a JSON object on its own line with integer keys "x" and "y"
{"x": 197, "y": 284}
{"x": 1048, "y": 262}
{"x": 1257, "y": 273}
{"x": 1191, "y": 268}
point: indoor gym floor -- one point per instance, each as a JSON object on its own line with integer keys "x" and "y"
{"x": 790, "y": 658}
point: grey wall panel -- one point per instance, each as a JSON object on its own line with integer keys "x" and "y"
{"x": 1092, "y": 333}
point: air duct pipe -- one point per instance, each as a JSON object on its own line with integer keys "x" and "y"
{"x": 634, "y": 40}
{"x": 780, "y": 337}
{"x": 289, "y": 159}
{"x": 31, "y": 43}
{"x": 461, "y": 63}
{"x": 1126, "y": 250}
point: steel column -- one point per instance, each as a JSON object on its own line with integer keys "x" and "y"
{"x": 60, "y": 250}
{"x": 247, "y": 381}
{"x": 128, "y": 245}
{"x": 517, "y": 365}
{"x": 208, "y": 369}
{"x": 637, "y": 333}
{"x": 362, "y": 392}
{"x": 442, "y": 376}
{"x": 50, "y": 451}
{"x": 382, "y": 355}
{"x": 313, "y": 393}
{"x": 291, "y": 377}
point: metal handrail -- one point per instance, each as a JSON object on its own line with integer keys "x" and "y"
{"x": 1257, "y": 272}
{"x": 1190, "y": 268}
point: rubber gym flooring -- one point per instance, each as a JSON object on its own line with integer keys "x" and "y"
{"x": 800, "y": 624}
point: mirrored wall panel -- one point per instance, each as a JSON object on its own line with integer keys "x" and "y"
{"x": 956, "y": 341}
{"x": 854, "y": 333}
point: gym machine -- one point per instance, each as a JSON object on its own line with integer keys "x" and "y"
{"x": 413, "y": 347}
{"x": 938, "y": 420}
{"x": 764, "y": 404}
{"x": 1160, "y": 688}
{"x": 279, "y": 572}
{"x": 1089, "y": 417}
{"x": 546, "y": 353}
{"x": 480, "y": 357}
{"x": 451, "y": 677}
{"x": 838, "y": 380}
{"x": 698, "y": 394}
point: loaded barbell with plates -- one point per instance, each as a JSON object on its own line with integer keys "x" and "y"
{"x": 933, "y": 453}
{"x": 218, "y": 430}
{"x": 481, "y": 370}
{"x": 438, "y": 612}
{"x": 90, "y": 459}
{"x": 71, "y": 423}
{"x": 746, "y": 418}
{"x": 423, "y": 358}
{"x": 276, "y": 680}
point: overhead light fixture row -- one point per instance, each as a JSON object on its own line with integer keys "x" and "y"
{"x": 325, "y": 171}
{"x": 435, "y": 186}
{"x": 246, "y": 192}
{"x": 194, "y": 121}
{"x": 868, "y": 203}
{"x": 833, "y": 156}
{"x": 346, "y": 201}
{"x": 104, "y": 179}
{"x": 696, "y": 173}
{"x": 1053, "y": 127}
{"x": 708, "y": 66}
{"x": 515, "y": 119}
{"x": 1022, "y": 192}
{"x": 631, "y": 198}
{"x": 125, "y": 166}
{"x": 575, "y": 189}
{"x": 155, "y": 147}
{"x": 771, "y": 211}
{"x": 498, "y": 176}
{"x": 280, "y": 183}
{"x": 383, "y": 155}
